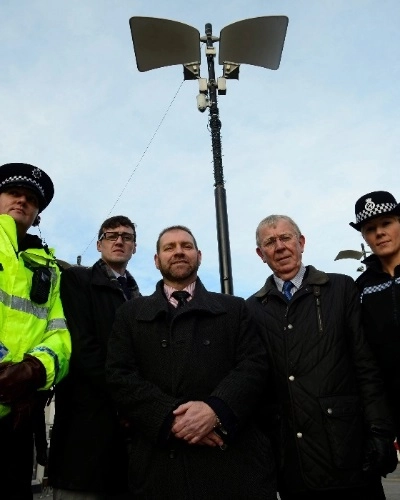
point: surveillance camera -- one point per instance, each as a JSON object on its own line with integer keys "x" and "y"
{"x": 202, "y": 102}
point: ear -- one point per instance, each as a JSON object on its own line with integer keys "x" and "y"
{"x": 260, "y": 254}
{"x": 199, "y": 256}
{"x": 98, "y": 246}
{"x": 156, "y": 261}
{"x": 302, "y": 242}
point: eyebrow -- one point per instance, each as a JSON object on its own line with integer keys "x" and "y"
{"x": 174, "y": 243}
{"x": 277, "y": 236}
{"x": 20, "y": 189}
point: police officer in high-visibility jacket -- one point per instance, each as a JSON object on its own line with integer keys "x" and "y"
{"x": 35, "y": 345}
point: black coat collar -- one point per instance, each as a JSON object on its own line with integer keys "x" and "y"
{"x": 311, "y": 277}
{"x": 157, "y": 303}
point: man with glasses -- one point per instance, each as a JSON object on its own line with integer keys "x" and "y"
{"x": 327, "y": 414}
{"x": 88, "y": 455}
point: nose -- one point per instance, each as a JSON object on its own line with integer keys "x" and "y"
{"x": 279, "y": 244}
{"x": 179, "y": 250}
{"x": 379, "y": 230}
{"x": 22, "y": 198}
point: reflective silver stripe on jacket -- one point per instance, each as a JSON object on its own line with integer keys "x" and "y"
{"x": 45, "y": 349}
{"x": 56, "y": 324}
{"x": 378, "y": 288}
{"x": 23, "y": 305}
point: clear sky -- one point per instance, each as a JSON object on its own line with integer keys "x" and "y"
{"x": 306, "y": 140}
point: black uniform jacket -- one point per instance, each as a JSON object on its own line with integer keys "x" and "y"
{"x": 380, "y": 304}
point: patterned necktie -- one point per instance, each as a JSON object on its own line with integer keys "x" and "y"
{"x": 124, "y": 285}
{"x": 286, "y": 289}
{"x": 181, "y": 296}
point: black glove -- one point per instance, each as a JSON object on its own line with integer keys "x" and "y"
{"x": 19, "y": 380}
{"x": 22, "y": 411}
{"x": 380, "y": 455}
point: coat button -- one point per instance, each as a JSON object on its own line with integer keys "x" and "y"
{"x": 330, "y": 411}
{"x": 164, "y": 343}
{"x": 299, "y": 435}
{"x": 291, "y": 378}
{"x": 290, "y": 327}
{"x": 206, "y": 342}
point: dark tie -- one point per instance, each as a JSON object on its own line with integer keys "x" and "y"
{"x": 181, "y": 296}
{"x": 287, "y": 287}
{"x": 124, "y": 285}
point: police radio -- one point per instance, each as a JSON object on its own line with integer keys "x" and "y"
{"x": 41, "y": 285}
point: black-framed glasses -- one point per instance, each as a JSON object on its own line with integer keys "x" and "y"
{"x": 114, "y": 235}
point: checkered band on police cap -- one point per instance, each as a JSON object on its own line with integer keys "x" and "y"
{"x": 372, "y": 205}
{"x": 30, "y": 177}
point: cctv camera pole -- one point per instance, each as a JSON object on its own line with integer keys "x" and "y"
{"x": 225, "y": 267}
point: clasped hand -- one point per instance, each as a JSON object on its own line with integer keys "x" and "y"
{"x": 194, "y": 422}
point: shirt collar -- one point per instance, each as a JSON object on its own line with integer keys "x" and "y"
{"x": 109, "y": 272}
{"x": 117, "y": 275}
{"x": 296, "y": 280}
{"x": 168, "y": 290}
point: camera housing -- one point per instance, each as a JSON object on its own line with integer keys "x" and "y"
{"x": 202, "y": 102}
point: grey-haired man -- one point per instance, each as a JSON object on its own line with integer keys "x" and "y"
{"x": 327, "y": 412}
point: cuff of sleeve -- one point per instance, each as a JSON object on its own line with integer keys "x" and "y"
{"x": 383, "y": 433}
{"x": 165, "y": 430}
{"x": 228, "y": 420}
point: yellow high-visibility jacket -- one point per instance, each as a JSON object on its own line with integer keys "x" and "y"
{"x": 25, "y": 326}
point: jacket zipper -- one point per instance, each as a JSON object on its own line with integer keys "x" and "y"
{"x": 317, "y": 295}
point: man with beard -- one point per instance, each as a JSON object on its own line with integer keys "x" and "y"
{"x": 187, "y": 366}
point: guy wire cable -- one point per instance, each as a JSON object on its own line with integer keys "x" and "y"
{"x": 138, "y": 163}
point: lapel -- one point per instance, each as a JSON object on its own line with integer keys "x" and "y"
{"x": 202, "y": 301}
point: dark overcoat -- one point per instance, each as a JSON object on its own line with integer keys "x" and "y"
{"x": 158, "y": 359}
{"x": 88, "y": 445}
{"x": 328, "y": 393}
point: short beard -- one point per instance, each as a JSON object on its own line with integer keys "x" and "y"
{"x": 178, "y": 277}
